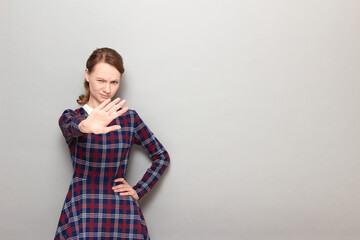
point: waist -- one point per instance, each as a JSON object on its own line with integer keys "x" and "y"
{"x": 99, "y": 180}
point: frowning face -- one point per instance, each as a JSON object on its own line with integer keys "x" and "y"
{"x": 104, "y": 81}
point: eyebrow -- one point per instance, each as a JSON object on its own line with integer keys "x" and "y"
{"x": 105, "y": 79}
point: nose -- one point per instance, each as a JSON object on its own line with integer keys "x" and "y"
{"x": 107, "y": 88}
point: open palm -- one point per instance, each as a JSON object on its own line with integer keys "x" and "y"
{"x": 98, "y": 120}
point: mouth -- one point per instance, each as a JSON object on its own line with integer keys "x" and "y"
{"x": 104, "y": 96}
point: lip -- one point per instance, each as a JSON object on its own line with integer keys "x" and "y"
{"x": 104, "y": 96}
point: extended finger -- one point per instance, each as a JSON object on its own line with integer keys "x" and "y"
{"x": 126, "y": 193}
{"x": 111, "y": 128}
{"x": 119, "y": 180}
{"x": 123, "y": 189}
{"x": 110, "y": 105}
{"x": 120, "y": 112}
{"x": 117, "y": 106}
{"x": 103, "y": 104}
{"x": 121, "y": 185}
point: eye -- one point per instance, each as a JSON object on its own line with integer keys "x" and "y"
{"x": 114, "y": 82}
{"x": 100, "y": 80}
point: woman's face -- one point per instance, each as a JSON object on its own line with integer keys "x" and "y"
{"x": 104, "y": 82}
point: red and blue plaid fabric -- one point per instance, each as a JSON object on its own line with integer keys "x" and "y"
{"x": 92, "y": 210}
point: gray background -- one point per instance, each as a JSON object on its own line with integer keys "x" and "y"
{"x": 256, "y": 101}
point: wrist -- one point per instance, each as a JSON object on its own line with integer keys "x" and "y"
{"x": 83, "y": 127}
{"x": 135, "y": 195}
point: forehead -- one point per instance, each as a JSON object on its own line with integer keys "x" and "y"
{"x": 105, "y": 71}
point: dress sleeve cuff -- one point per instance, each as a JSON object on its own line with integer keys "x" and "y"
{"x": 139, "y": 192}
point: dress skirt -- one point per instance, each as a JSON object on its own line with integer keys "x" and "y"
{"x": 92, "y": 210}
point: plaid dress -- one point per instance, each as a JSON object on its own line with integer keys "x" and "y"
{"x": 92, "y": 210}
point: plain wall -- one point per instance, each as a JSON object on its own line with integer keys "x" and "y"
{"x": 256, "y": 101}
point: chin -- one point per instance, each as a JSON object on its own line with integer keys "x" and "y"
{"x": 103, "y": 99}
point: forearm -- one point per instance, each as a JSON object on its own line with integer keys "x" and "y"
{"x": 69, "y": 124}
{"x": 153, "y": 174}
{"x": 144, "y": 137}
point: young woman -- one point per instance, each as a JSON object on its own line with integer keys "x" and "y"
{"x": 100, "y": 204}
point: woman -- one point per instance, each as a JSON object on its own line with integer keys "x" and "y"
{"x": 100, "y": 204}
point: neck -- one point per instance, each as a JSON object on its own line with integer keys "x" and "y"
{"x": 93, "y": 103}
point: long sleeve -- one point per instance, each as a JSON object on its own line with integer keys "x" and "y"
{"x": 69, "y": 124}
{"x": 156, "y": 151}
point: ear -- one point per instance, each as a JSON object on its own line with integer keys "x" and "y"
{"x": 87, "y": 74}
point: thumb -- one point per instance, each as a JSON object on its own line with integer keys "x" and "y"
{"x": 112, "y": 128}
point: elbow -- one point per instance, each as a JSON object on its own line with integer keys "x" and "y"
{"x": 161, "y": 160}
{"x": 167, "y": 156}
{"x": 167, "y": 159}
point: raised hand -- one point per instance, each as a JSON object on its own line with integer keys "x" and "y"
{"x": 124, "y": 189}
{"x": 98, "y": 120}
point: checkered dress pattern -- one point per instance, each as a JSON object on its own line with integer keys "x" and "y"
{"x": 92, "y": 210}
